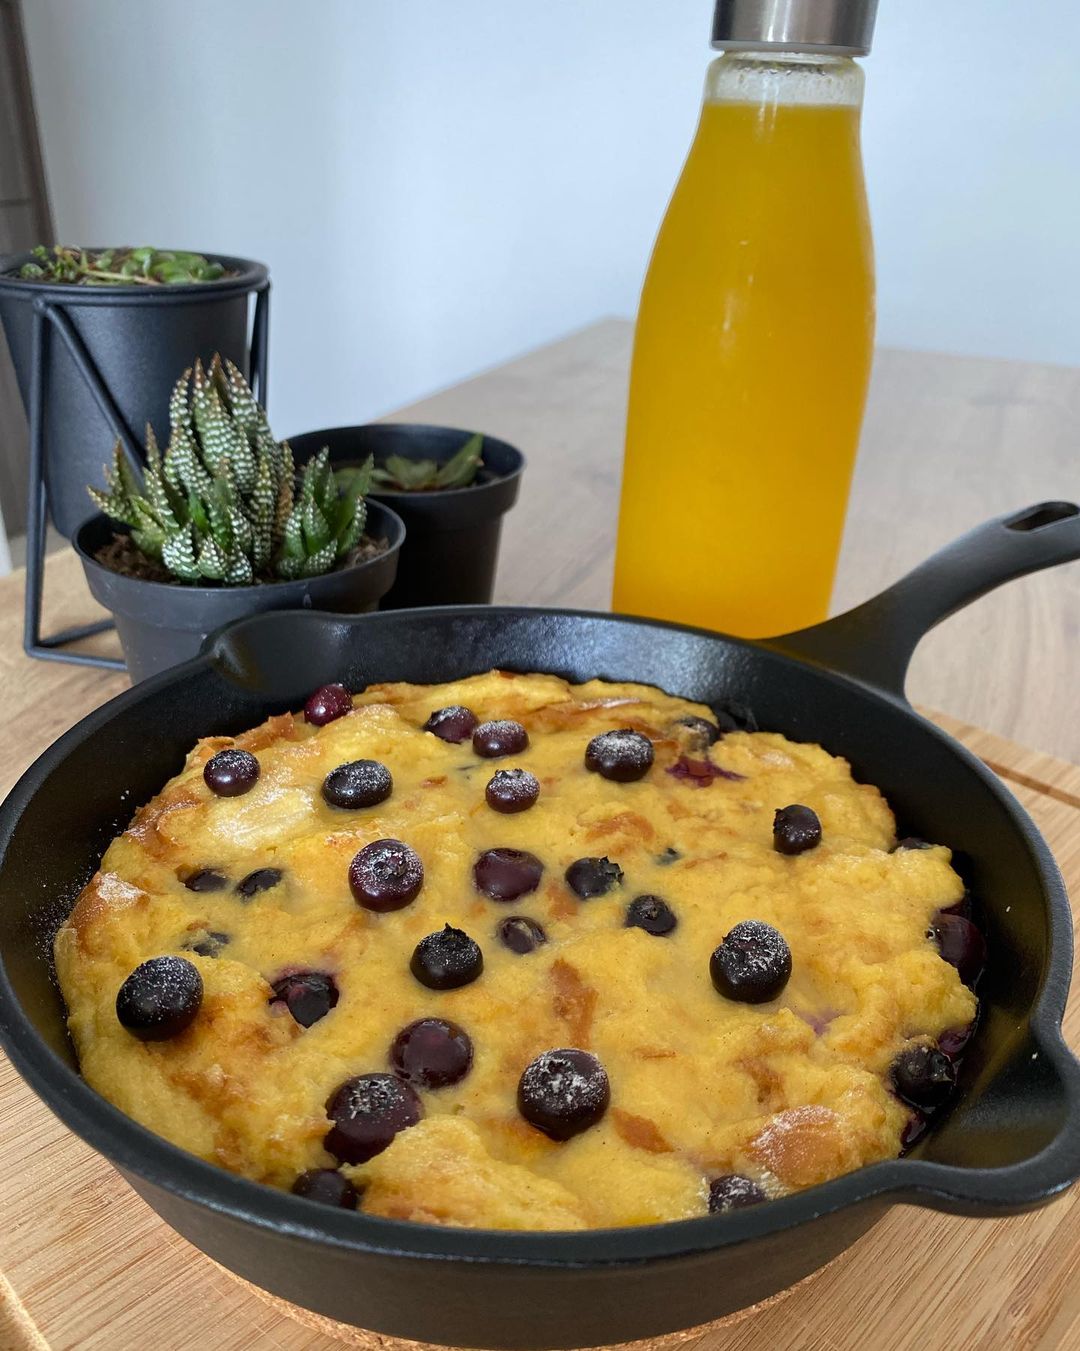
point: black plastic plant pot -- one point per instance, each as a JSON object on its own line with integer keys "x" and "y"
{"x": 112, "y": 354}
{"x": 161, "y": 624}
{"x": 452, "y": 545}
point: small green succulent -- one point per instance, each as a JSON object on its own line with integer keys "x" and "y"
{"x": 415, "y": 476}
{"x": 118, "y": 267}
{"x": 223, "y": 503}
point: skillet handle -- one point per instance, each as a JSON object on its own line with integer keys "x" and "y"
{"x": 874, "y": 642}
{"x": 1037, "y": 1106}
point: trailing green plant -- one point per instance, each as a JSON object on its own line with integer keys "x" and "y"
{"x": 119, "y": 267}
{"x": 223, "y": 504}
{"x": 415, "y": 476}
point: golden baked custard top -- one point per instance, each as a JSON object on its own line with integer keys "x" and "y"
{"x": 704, "y": 1062}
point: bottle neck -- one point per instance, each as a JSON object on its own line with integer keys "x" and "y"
{"x": 772, "y": 77}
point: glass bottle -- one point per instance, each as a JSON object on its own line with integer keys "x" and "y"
{"x": 754, "y": 336}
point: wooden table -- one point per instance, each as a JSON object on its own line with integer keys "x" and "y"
{"x": 86, "y": 1266}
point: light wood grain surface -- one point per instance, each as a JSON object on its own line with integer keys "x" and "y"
{"x": 86, "y": 1266}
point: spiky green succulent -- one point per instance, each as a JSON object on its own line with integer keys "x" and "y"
{"x": 223, "y": 504}
{"x": 401, "y": 474}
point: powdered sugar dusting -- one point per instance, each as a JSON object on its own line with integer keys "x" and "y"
{"x": 626, "y": 742}
{"x": 562, "y": 1081}
{"x": 568, "y": 1084}
{"x": 266, "y": 816}
{"x": 734, "y": 1191}
{"x": 374, "y": 1095}
{"x": 623, "y": 755}
{"x": 781, "y": 1144}
{"x": 759, "y": 947}
{"x": 116, "y": 891}
{"x": 501, "y": 726}
{"x": 174, "y": 978}
{"x": 564, "y": 1092}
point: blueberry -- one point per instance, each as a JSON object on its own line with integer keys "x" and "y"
{"x": 206, "y": 879}
{"x": 961, "y": 944}
{"x": 493, "y": 739}
{"x": 651, "y": 913}
{"x": 520, "y": 934}
{"x": 700, "y": 773}
{"x": 668, "y": 857}
{"x": 913, "y": 1130}
{"x": 621, "y": 756}
{"x": 795, "y": 830}
{"x": 360, "y": 783}
{"x": 209, "y": 945}
{"x": 454, "y": 724}
{"x": 367, "y": 1111}
{"x": 386, "y": 875}
{"x": 431, "y": 1053}
{"x": 506, "y": 874}
{"x": 512, "y": 790}
{"x": 160, "y": 998}
{"x": 963, "y": 907}
{"x": 588, "y": 877}
{"x": 702, "y": 732}
{"x": 231, "y": 773}
{"x": 733, "y": 1191}
{"x": 328, "y": 1187}
{"x": 563, "y": 1092}
{"x": 262, "y": 879}
{"x": 327, "y": 704}
{"x": 308, "y": 995}
{"x": 923, "y": 1076}
{"x": 752, "y": 964}
{"x": 910, "y": 842}
{"x": 447, "y": 960}
{"x": 954, "y": 1042}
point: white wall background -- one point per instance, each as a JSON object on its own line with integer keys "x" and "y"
{"x": 439, "y": 186}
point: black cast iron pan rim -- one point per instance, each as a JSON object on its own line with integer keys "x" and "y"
{"x": 971, "y": 1191}
{"x": 393, "y": 495}
{"x": 248, "y": 275}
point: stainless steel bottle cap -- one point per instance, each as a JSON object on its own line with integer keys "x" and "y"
{"x": 837, "y": 27}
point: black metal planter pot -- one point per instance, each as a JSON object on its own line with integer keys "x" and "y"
{"x": 452, "y": 544}
{"x": 161, "y": 625}
{"x": 94, "y": 365}
{"x": 103, "y": 360}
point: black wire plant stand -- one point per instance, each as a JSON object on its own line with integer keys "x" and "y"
{"x": 51, "y": 322}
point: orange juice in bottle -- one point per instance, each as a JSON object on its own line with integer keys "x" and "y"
{"x": 754, "y": 335}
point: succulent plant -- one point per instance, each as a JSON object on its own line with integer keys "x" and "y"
{"x": 413, "y": 476}
{"x": 118, "y": 267}
{"x": 223, "y": 503}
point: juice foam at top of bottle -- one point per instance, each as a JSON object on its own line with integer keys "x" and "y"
{"x": 751, "y": 361}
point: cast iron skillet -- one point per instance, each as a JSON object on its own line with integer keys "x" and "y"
{"x": 1011, "y": 1141}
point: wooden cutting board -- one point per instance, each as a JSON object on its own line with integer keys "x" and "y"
{"x": 85, "y": 1265}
